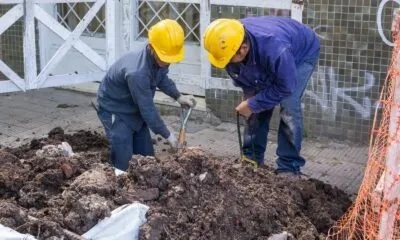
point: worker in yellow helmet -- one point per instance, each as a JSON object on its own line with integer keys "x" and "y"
{"x": 125, "y": 96}
{"x": 271, "y": 59}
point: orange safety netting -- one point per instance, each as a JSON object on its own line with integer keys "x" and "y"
{"x": 375, "y": 213}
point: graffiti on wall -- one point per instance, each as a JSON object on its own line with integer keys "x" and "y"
{"x": 379, "y": 21}
{"x": 324, "y": 89}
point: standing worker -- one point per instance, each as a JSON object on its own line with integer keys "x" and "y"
{"x": 272, "y": 60}
{"x": 125, "y": 96}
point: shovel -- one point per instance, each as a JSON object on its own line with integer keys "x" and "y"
{"x": 182, "y": 132}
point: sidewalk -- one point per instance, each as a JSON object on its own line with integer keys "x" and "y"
{"x": 33, "y": 114}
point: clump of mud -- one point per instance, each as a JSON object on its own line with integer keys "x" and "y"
{"x": 46, "y": 193}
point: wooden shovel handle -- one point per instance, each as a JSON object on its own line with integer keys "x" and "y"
{"x": 181, "y": 138}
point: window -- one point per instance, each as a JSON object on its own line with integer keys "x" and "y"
{"x": 186, "y": 14}
{"x": 70, "y": 14}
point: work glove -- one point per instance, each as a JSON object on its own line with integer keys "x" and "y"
{"x": 187, "y": 101}
{"x": 173, "y": 142}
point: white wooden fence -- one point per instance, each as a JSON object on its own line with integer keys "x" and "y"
{"x": 30, "y": 10}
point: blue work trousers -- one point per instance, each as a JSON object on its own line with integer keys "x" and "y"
{"x": 290, "y": 132}
{"x": 124, "y": 142}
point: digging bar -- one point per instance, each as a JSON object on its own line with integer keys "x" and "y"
{"x": 243, "y": 158}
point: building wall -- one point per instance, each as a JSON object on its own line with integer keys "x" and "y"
{"x": 343, "y": 93}
{"x": 342, "y": 96}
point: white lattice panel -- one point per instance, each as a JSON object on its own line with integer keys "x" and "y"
{"x": 33, "y": 13}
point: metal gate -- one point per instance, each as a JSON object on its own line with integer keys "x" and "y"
{"x": 34, "y": 12}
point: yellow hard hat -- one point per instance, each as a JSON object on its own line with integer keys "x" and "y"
{"x": 167, "y": 39}
{"x": 222, "y": 38}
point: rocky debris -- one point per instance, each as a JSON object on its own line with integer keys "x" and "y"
{"x": 193, "y": 195}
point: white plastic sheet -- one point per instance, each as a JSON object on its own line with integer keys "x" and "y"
{"x": 123, "y": 224}
{"x": 9, "y": 234}
{"x": 66, "y": 149}
{"x": 281, "y": 236}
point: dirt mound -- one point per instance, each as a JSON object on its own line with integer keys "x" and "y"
{"x": 209, "y": 198}
{"x": 191, "y": 196}
{"x": 81, "y": 141}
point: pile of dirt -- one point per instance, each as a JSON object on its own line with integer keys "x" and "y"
{"x": 45, "y": 192}
{"x": 81, "y": 141}
{"x": 209, "y": 198}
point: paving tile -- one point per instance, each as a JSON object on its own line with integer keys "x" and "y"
{"x": 11, "y": 130}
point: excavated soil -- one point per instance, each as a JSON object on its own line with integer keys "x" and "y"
{"x": 47, "y": 193}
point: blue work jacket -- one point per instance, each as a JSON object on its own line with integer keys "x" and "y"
{"x": 277, "y": 46}
{"x": 128, "y": 90}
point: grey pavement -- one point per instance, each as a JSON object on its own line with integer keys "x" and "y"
{"x": 33, "y": 114}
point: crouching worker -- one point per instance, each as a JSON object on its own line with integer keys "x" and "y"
{"x": 125, "y": 96}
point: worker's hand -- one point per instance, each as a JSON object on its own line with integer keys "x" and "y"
{"x": 173, "y": 142}
{"x": 187, "y": 100}
{"x": 243, "y": 109}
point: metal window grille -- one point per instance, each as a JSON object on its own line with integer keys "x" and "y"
{"x": 187, "y": 15}
{"x": 70, "y": 14}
